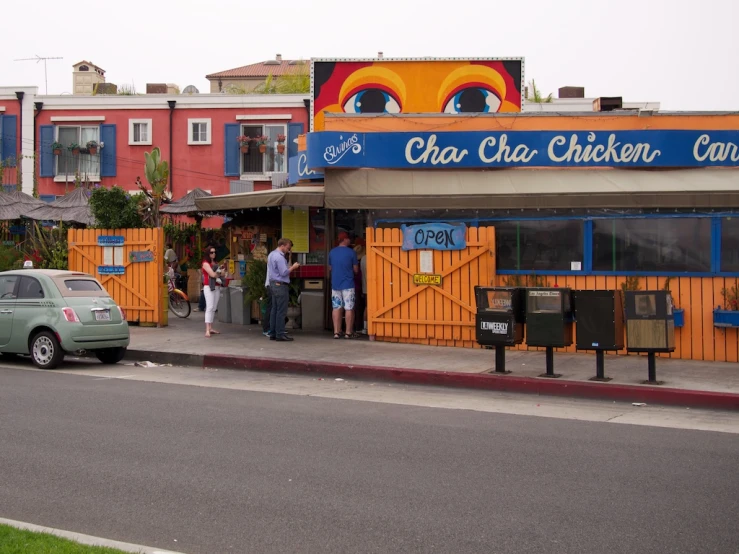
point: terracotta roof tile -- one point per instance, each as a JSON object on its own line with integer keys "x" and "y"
{"x": 261, "y": 69}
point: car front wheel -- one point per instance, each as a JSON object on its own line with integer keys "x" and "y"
{"x": 111, "y": 355}
{"x": 46, "y": 352}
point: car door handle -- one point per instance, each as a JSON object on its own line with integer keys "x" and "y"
{"x": 6, "y": 311}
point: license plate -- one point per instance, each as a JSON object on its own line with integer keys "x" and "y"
{"x": 102, "y": 316}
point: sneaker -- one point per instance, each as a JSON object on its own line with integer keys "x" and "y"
{"x": 266, "y": 333}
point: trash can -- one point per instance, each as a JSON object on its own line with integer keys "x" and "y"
{"x": 500, "y": 316}
{"x": 224, "y": 305}
{"x": 312, "y": 309}
{"x": 240, "y": 312}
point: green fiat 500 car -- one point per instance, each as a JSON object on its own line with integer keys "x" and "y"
{"x": 47, "y": 313}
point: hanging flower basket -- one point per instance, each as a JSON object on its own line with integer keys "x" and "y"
{"x": 244, "y": 141}
{"x": 281, "y": 148}
{"x": 679, "y": 317}
{"x": 74, "y": 148}
{"x": 725, "y": 318}
{"x": 57, "y": 147}
{"x": 262, "y": 141}
{"x": 92, "y": 147}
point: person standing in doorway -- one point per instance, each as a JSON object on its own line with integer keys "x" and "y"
{"x": 343, "y": 265}
{"x": 170, "y": 256}
{"x": 279, "y": 274}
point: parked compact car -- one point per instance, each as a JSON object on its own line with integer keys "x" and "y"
{"x": 47, "y": 313}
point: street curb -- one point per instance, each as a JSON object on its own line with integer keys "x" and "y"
{"x": 174, "y": 358}
{"x": 88, "y": 540}
{"x": 485, "y": 381}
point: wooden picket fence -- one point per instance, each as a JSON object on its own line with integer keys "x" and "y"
{"x": 401, "y": 311}
{"x": 140, "y": 291}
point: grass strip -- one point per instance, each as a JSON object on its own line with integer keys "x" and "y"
{"x": 19, "y": 541}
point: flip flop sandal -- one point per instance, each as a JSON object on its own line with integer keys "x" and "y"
{"x": 337, "y": 336}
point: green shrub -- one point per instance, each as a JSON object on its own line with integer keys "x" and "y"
{"x": 114, "y": 208}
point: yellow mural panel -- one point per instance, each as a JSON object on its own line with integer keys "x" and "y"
{"x": 415, "y": 86}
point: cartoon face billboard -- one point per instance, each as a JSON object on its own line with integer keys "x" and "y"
{"x": 455, "y": 86}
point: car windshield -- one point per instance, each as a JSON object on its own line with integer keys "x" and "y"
{"x": 81, "y": 285}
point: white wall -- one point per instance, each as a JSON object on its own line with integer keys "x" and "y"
{"x": 7, "y": 95}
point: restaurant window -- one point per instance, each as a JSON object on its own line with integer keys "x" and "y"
{"x": 730, "y": 244}
{"x": 655, "y": 244}
{"x": 552, "y": 245}
{"x": 271, "y": 161}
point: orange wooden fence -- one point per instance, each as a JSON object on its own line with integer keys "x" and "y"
{"x": 140, "y": 290}
{"x": 401, "y": 311}
{"x": 698, "y": 296}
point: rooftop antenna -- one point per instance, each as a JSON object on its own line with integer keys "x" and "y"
{"x": 39, "y": 59}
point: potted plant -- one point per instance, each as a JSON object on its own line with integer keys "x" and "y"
{"x": 244, "y": 141}
{"x": 729, "y": 316}
{"x": 56, "y": 147}
{"x": 293, "y": 305}
{"x": 253, "y": 283}
{"x": 281, "y": 143}
{"x": 74, "y": 148}
{"x": 677, "y": 312}
{"x": 262, "y": 142}
{"x": 92, "y": 147}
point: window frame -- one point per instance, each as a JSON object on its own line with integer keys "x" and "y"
{"x": 15, "y": 287}
{"x": 149, "y": 132}
{"x": 65, "y": 178}
{"x": 264, "y": 173}
{"x": 208, "y": 131}
{"x": 20, "y": 284}
{"x": 587, "y": 266}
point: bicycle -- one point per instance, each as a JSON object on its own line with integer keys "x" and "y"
{"x": 179, "y": 303}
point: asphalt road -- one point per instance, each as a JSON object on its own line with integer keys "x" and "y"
{"x": 211, "y": 470}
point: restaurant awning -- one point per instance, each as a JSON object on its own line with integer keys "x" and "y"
{"x": 531, "y": 188}
{"x": 309, "y": 196}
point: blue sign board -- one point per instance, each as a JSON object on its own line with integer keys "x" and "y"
{"x": 297, "y": 169}
{"x": 433, "y": 236}
{"x": 482, "y": 149}
{"x": 111, "y": 240}
{"x": 111, "y": 270}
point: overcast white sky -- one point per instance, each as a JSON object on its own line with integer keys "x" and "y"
{"x": 683, "y": 54}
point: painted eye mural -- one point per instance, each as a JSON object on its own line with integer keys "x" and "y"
{"x": 371, "y": 100}
{"x": 420, "y": 86}
{"x": 473, "y": 100}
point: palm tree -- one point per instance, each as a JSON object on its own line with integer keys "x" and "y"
{"x": 534, "y": 94}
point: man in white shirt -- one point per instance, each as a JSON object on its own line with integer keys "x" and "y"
{"x": 170, "y": 256}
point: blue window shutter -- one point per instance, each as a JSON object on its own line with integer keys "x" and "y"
{"x": 9, "y": 142}
{"x": 293, "y": 130}
{"x": 46, "y": 138}
{"x": 108, "y": 152}
{"x": 231, "y": 150}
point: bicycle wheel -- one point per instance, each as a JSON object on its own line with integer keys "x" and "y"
{"x": 179, "y": 306}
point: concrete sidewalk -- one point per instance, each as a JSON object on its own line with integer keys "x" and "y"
{"x": 684, "y": 382}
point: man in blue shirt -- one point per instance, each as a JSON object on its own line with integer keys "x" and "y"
{"x": 343, "y": 264}
{"x": 279, "y": 286}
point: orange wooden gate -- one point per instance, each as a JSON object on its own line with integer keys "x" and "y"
{"x": 441, "y": 315}
{"x": 140, "y": 289}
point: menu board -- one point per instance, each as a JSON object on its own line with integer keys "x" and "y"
{"x": 295, "y": 226}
